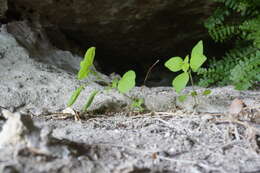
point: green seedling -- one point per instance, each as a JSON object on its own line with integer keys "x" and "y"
{"x": 86, "y": 64}
{"x": 85, "y": 70}
{"x": 137, "y": 104}
{"x": 124, "y": 85}
{"x": 187, "y": 65}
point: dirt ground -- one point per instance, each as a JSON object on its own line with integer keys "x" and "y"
{"x": 152, "y": 142}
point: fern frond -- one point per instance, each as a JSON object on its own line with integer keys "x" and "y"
{"x": 239, "y": 20}
{"x": 217, "y": 18}
{"x": 246, "y": 72}
{"x": 219, "y": 72}
{"x": 223, "y": 33}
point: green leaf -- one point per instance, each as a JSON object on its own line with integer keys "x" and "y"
{"x": 174, "y": 64}
{"x": 180, "y": 82}
{"x": 127, "y": 82}
{"x": 187, "y": 58}
{"x": 197, "y": 57}
{"x": 206, "y": 92}
{"x": 186, "y": 65}
{"x": 193, "y": 93}
{"x": 137, "y": 103}
{"x": 114, "y": 83}
{"x": 90, "y": 100}
{"x": 74, "y": 96}
{"x": 86, "y": 63}
{"x": 182, "y": 98}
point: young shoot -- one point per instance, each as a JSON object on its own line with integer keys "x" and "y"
{"x": 187, "y": 65}
{"x": 85, "y": 70}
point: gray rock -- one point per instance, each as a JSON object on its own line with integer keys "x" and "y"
{"x": 29, "y": 85}
{"x": 20, "y": 132}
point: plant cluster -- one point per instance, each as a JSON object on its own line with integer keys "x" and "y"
{"x": 123, "y": 85}
{"x": 239, "y": 21}
{"x": 127, "y": 82}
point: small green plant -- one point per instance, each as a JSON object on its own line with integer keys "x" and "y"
{"x": 137, "y": 104}
{"x": 187, "y": 65}
{"x": 123, "y": 85}
{"x": 85, "y": 70}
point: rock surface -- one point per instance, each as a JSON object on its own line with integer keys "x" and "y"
{"x": 128, "y": 32}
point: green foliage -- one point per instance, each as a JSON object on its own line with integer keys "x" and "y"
{"x": 85, "y": 69}
{"x": 193, "y": 93}
{"x": 180, "y": 82}
{"x": 176, "y": 64}
{"x": 197, "y": 57}
{"x": 245, "y": 73}
{"x": 86, "y": 63}
{"x": 182, "y": 98}
{"x": 124, "y": 85}
{"x": 75, "y": 95}
{"x": 206, "y": 92}
{"x": 89, "y": 100}
{"x": 115, "y": 83}
{"x": 239, "y": 21}
{"x": 127, "y": 82}
{"x": 137, "y": 104}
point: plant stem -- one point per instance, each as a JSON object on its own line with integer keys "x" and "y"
{"x": 192, "y": 85}
{"x": 149, "y": 71}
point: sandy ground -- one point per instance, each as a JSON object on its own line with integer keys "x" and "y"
{"x": 157, "y": 142}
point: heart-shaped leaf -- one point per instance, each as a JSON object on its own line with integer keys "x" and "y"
{"x": 127, "y": 82}
{"x": 180, "y": 82}
{"x": 174, "y": 64}
{"x": 86, "y": 63}
{"x": 197, "y": 57}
